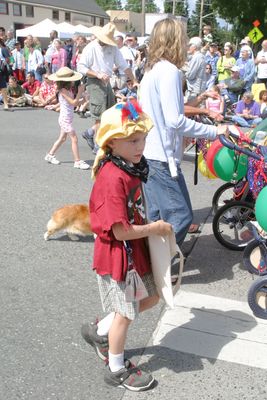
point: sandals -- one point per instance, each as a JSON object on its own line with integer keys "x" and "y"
{"x": 193, "y": 228}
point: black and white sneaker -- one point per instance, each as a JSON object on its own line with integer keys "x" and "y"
{"x": 99, "y": 343}
{"x": 130, "y": 377}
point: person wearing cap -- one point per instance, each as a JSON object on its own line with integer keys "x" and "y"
{"x": 127, "y": 93}
{"x": 247, "y": 111}
{"x": 64, "y": 79}
{"x": 161, "y": 96}
{"x": 196, "y": 73}
{"x": 212, "y": 58}
{"x": 96, "y": 63}
{"x": 261, "y": 62}
{"x": 117, "y": 216}
{"x": 246, "y": 67}
{"x": 232, "y": 87}
{"x": 244, "y": 42}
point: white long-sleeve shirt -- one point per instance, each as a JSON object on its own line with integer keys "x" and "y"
{"x": 162, "y": 99}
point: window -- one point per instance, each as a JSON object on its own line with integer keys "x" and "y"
{"x": 93, "y": 20}
{"x": 17, "y": 10}
{"x": 3, "y": 7}
{"x": 102, "y": 22}
{"x": 55, "y": 14}
{"x": 29, "y": 11}
{"x": 67, "y": 16}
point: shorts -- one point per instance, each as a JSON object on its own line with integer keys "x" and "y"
{"x": 101, "y": 97}
{"x": 65, "y": 125}
{"x": 113, "y": 297}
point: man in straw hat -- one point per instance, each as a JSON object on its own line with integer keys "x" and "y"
{"x": 96, "y": 63}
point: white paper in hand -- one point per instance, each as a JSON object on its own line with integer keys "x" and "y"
{"x": 162, "y": 250}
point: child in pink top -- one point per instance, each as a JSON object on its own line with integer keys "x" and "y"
{"x": 64, "y": 78}
{"x": 215, "y": 104}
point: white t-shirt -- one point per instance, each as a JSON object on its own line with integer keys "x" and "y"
{"x": 101, "y": 59}
{"x": 262, "y": 67}
{"x": 161, "y": 97}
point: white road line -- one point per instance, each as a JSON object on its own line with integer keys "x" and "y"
{"x": 214, "y": 327}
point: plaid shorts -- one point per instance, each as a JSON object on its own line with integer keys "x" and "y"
{"x": 112, "y": 294}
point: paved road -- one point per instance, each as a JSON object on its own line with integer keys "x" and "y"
{"x": 48, "y": 290}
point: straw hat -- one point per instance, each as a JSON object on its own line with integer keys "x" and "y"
{"x": 65, "y": 74}
{"x": 105, "y": 34}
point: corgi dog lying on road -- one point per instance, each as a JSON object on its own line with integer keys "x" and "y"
{"x": 74, "y": 219}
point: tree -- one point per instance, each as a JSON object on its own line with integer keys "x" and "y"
{"x": 181, "y": 7}
{"x": 136, "y": 6}
{"x": 109, "y": 4}
{"x": 209, "y": 19}
{"x": 242, "y": 13}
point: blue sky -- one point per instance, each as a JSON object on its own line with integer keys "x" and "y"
{"x": 190, "y": 2}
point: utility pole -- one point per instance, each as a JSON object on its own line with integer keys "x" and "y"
{"x": 201, "y": 18}
{"x": 143, "y": 18}
{"x": 173, "y": 7}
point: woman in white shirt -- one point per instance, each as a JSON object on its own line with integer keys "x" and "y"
{"x": 35, "y": 60}
{"x": 162, "y": 99}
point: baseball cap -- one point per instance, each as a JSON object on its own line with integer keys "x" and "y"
{"x": 243, "y": 41}
{"x": 235, "y": 68}
{"x": 214, "y": 45}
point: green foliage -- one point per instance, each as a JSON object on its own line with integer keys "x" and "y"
{"x": 242, "y": 13}
{"x": 136, "y": 6}
{"x": 194, "y": 20}
{"x": 109, "y": 4}
{"x": 181, "y": 7}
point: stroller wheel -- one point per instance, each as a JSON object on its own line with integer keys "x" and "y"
{"x": 257, "y": 297}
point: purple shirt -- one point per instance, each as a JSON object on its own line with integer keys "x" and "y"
{"x": 253, "y": 107}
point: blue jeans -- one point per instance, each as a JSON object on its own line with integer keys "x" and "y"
{"x": 245, "y": 122}
{"x": 167, "y": 198}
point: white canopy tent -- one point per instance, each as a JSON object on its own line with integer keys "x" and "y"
{"x": 42, "y": 29}
{"x": 65, "y": 30}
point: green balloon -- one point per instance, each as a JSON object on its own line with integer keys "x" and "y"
{"x": 225, "y": 165}
{"x": 261, "y": 208}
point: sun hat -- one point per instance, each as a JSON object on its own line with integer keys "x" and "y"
{"x": 105, "y": 34}
{"x": 119, "y": 122}
{"x": 244, "y": 41}
{"x": 65, "y": 74}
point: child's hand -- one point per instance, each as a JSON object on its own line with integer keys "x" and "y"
{"x": 161, "y": 228}
{"x": 81, "y": 88}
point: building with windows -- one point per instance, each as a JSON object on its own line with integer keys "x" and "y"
{"x": 20, "y": 14}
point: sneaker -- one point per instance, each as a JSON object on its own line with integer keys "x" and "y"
{"x": 52, "y": 159}
{"x": 99, "y": 343}
{"x": 129, "y": 377}
{"x": 88, "y": 135}
{"x": 81, "y": 165}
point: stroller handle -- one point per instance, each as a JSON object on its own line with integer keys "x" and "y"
{"x": 233, "y": 146}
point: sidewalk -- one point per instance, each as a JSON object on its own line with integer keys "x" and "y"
{"x": 210, "y": 344}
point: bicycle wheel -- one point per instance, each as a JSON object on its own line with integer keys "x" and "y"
{"x": 257, "y": 297}
{"x": 230, "y": 224}
{"x": 223, "y": 195}
{"x": 253, "y": 258}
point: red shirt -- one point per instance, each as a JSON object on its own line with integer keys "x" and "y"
{"x": 117, "y": 197}
{"x": 31, "y": 88}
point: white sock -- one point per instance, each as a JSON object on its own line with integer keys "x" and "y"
{"x": 115, "y": 361}
{"x": 104, "y": 325}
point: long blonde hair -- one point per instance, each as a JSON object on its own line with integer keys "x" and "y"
{"x": 168, "y": 41}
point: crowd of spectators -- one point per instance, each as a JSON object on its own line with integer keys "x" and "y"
{"x": 24, "y": 70}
